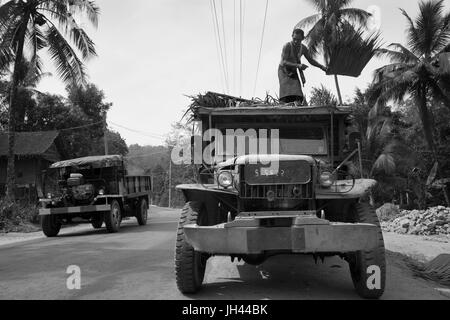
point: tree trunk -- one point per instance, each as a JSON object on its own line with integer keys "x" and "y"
{"x": 11, "y": 172}
{"x": 427, "y": 122}
{"x": 338, "y": 89}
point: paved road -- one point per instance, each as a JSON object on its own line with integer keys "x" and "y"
{"x": 137, "y": 263}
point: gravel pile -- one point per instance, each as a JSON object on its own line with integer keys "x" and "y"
{"x": 433, "y": 221}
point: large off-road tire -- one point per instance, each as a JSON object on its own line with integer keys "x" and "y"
{"x": 361, "y": 261}
{"x": 50, "y": 225}
{"x": 189, "y": 264}
{"x": 113, "y": 217}
{"x": 142, "y": 212}
{"x": 97, "y": 221}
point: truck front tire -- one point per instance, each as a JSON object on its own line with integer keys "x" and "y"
{"x": 113, "y": 217}
{"x": 142, "y": 212}
{"x": 190, "y": 265}
{"x": 50, "y": 225}
{"x": 368, "y": 267}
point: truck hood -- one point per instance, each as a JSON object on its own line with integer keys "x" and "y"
{"x": 264, "y": 158}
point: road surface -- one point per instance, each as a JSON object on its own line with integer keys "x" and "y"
{"x": 137, "y": 263}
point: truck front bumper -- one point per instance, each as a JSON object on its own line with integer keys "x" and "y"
{"x": 306, "y": 235}
{"x": 74, "y": 210}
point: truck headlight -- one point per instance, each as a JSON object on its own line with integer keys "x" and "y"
{"x": 326, "y": 179}
{"x": 225, "y": 179}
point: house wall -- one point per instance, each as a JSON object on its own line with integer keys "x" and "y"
{"x": 26, "y": 171}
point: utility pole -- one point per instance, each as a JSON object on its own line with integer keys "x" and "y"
{"x": 105, "y": 132}
{"x": 170, "y": 183}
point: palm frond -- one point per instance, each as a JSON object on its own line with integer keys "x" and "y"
{"x": 413, "y": 34}
{"x": 82, "y": 41}
{"x": 315, "y": 37}
{"x": 356, "y": 16}
{"x": 311, "y": 20}
{"x": 390, "y": 71}
{"x": 69, "y": 67}
{"x": 411, "y": 56}
{"x": 428, "y": 24}
{"x": 89, "y": 7}
{"x": 385, "y": 163}
{"x": 443, "y": 37}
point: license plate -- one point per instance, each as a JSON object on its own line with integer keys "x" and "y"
{"x": 288, "y": 172}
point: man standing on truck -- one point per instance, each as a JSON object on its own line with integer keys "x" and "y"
{"x": 290, "y": 83}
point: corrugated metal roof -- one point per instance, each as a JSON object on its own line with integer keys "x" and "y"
{"x": 29, "y": 143}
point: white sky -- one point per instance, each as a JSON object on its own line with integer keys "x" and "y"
{"x": 153, "y": 52}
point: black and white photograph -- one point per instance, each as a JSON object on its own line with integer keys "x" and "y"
{"x": 221, "y": 156}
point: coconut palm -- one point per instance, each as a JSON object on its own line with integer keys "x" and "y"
{"x": 414, "y": 70}
{"x": 26, "y": 27}
{"x": 334, "y": 19}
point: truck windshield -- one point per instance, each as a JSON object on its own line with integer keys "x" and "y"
{"x": 304, "y": 141}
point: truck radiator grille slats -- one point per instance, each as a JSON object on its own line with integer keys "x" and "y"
{"x": 300, "y": 191}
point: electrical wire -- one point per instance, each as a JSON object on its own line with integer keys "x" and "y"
{"x": 224, "y": 37}
{"x": 147, "y": 134}
{"x": 240, "y": 48}
{"x": 260, "y": 47}
{"x": 65, "y": 129}
{"x": 218, "y": 52}
{"x": 217, "y": 29}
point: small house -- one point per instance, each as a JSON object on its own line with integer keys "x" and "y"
{"x": 35, "y": 152}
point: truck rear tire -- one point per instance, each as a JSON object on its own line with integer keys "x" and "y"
{"x": 142, "y": 212}
{"x": 50, "y": 225}
{"x": 113, "y": 217}
{"x": 360, "y": 262}
{"x": 190, "y": 265}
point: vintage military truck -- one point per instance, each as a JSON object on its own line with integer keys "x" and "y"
{"x": 311, "y": 203}
{"x": 95, "y": 189}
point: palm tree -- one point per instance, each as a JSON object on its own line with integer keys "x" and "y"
{"x": 415, "y": 70}
{"x": 26, "y": 27}
{"x": 334, "y": 18}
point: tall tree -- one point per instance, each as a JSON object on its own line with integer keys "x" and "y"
{"x": 334, "y": 17}
{"x": 414, "y": 70}
{"x": 32, "y": 25}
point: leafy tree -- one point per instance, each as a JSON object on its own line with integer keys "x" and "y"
{"x": 334, "y": 18}
{"x": 29, "y": 26}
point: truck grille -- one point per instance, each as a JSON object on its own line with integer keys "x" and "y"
{"x": 303, "y": 191}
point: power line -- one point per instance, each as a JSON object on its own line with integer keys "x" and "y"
{"x": 222, "y": 74}
{"x": 65, "y": 129}
{"x": 217, "y": 29}
{"x": 234, "y": 45}
{"x": 80, "y": 127}
{"x": 241, "y": 40}
{"x": 224, "y": 42}
{"x": 148, "y": 134}
{"x": 260, "y": 47}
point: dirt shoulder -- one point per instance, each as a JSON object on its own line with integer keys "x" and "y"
{"x": 420, "y": 248}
